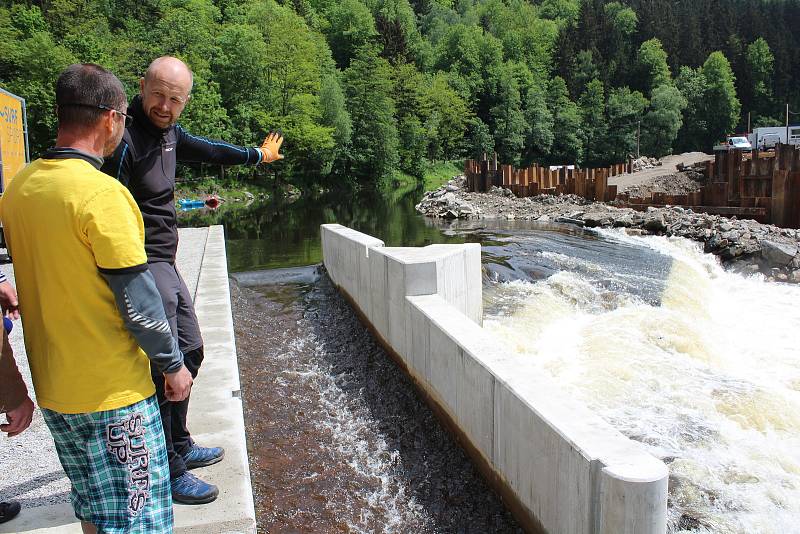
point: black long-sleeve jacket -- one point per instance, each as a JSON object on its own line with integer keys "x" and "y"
{"x": 145, "y": 163}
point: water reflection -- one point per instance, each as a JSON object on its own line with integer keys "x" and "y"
{"x": 277, "y": 233}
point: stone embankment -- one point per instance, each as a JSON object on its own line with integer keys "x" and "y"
{"x": 742, "y": 245}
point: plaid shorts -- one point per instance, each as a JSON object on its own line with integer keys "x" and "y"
{"x": 117, "y": 463}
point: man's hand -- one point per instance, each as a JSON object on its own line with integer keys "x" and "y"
{"x": 19, "y": 418}
{"x": 8, "y": 300}
{"x": 177, "y": 385}
{"x": 270, "y": 147}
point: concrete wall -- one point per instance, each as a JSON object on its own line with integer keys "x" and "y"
{"x": 559, "y": 467}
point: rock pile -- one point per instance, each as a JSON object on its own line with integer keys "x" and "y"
{"x": 679, "y": 183}
{"x": 742, "y": 245}
{"x": 642, "y": 163}
{"x": 445, "y": 204}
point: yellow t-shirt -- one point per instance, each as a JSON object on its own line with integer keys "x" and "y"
{"x": 63, "y": 219}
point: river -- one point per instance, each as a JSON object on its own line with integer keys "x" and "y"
{"x": 700, "y": 365}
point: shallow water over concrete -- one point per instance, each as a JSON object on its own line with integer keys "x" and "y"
{"x": 339, "y": 440}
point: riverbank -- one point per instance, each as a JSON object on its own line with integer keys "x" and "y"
{"x": 200, "y": 190}
{"x": 742, "y": 245}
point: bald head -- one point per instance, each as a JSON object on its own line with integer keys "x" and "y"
{"x": 165, "y": 90}
{"x": 170, "y": 68}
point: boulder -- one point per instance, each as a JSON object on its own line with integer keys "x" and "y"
{"x": 655, "y": 223}
{"x": 777, "y": 253}
{"x": 596, "y": 219}
{"x": 570, "y": 220}
{"x": 626, "y": 221}
{"x": 450, "y": 214}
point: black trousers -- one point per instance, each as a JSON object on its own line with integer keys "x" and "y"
{"x": 173, "y": 416}
{"x": 182, "y": 320}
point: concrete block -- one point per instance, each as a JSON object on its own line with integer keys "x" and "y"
{"x": 379, "y": 282}
{"x": 474, "y": 282}
{"x": 419, "y": 326}
{"x": 470, "y": 381}
{"x": 568, "y": 470}
{"x": 451, "y": 278}
{"x": 395, "y": 302}
{"x": 445, "y": 363}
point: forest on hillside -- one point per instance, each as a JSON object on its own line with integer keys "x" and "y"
{"x": 363, "y": 89}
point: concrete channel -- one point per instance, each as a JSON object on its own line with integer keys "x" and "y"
{"x": 215, "y": 417}
{"x": 558, "y": 466}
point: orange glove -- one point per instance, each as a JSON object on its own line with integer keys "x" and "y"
{"x": 270, "y": 147}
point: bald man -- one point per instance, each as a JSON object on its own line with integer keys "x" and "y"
{"x": 145, "y": 162}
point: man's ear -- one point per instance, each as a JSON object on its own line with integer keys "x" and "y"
{"x": 141, "y": 86}
{"x": 107, "y": 121}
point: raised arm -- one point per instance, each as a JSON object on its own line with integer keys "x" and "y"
{"x": 192, "y": 148}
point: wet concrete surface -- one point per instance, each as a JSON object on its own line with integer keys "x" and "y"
{"x": 338, "y": 438}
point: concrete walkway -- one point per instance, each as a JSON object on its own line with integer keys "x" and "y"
{"x": 30, "y": 470}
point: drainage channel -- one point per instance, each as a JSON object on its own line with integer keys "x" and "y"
{"x": 338, "y": 438}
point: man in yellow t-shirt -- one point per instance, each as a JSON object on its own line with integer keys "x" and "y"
{"x": 94, "y": 320}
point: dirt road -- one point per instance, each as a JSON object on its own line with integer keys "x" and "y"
{"x": 668, "y": 167}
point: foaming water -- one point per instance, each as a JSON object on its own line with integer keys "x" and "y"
{"x": 338, "y": 439}
{"x": 706, "y": 373}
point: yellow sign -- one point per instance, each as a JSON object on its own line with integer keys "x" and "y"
{"x": 12, "y": 135}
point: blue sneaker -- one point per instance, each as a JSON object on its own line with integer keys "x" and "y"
{"x": 188, "y": 489}
{"x": 202, "y": 456}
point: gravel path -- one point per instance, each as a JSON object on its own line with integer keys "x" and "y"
{"x": 668, "y": 167}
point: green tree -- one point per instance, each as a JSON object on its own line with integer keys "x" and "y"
{"x": 526, "y": 38}
{"x": 584, "y": 70}
{"x": 652, "y": 64}
{"x": 625, "y": 109}
{"x": 475, "y": 57}
{"x": 620, "y": 23}
{"x": 692, "y": 85}
{"x": 564, "y": 11}
{"x": 268, "y": 90}
{"x": 506, "y": 117}
{"x": 350, "y": 27}
{"x": 721, "y": 105}
{"x": 567, "y": 147}
{"x": 479, "y": 140}
{"x": 760, "y": 63}
{"x": 663, "y": 121}
{"x": 396, "y": 25}
{"x": 368, "y": 90}
{"x": 336, "y": 116}
{"x": 31, "y": 70}
{"x": 446, "y": 117}
{"x": 408, "y": 83}
{"x": 205, "y": 114}
{"x": 595, "y": 129}
{"x": 539, "y": 122}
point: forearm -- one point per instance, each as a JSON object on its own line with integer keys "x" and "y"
{"x": 13, "y": 390}
{"x": 142, "y": 311}
{"x": 192, "y": 148}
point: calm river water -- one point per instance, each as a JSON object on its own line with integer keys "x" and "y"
{"x": 701, "y": 366}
